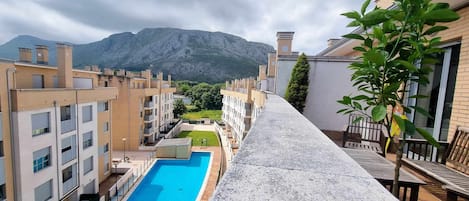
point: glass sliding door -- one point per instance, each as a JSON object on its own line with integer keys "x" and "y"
{"x": 440, "y": 93}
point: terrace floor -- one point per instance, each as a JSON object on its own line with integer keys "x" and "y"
{"x": 432, "y": 191}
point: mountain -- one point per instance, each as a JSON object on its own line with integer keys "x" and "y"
{"x": 185, "y": 54}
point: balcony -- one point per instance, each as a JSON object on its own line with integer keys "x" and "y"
{"x": 149, "y": 105}
{"x": 284, "y": 147}
{"x": 149, "y": 118}
{"x": 148, "y": 131}
{"x": 32, "y": 99}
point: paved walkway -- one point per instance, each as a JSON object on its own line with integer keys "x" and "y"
{"x": 214, "y": 170}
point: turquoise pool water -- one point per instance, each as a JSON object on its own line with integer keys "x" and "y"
{"x": 173, "y": 179}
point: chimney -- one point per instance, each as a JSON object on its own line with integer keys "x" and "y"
{"x": 284, "y": 41}
{"x": 262, "y": 72}
{"x": 332, "y": 42}
{"x": 42, "y": 54}
{"x": 227, "y": 85}
{"x": 272, "y": 59}
{"x": 147, "y": 75}
{"x": 169, "y": 80}
{"x": 25, "y": 55}
{"x": 160, "y": 80}
{"x": 64, "y": 65}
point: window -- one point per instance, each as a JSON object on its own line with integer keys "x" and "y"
{"x": 88, "y": 165}
{"x": 103, "y": 106}
{"x": 68, "y": 149}
{"x": 67, "y": 174}
{"x": 106, "y": 163}
{"x": 87, "y": 139}
{"x": 40, "y": 123}
{"x": 38, "y": 81}
{"x": 106, "y": 148}
{"x": 3, "y": 192}
{"x": 43, "y": 192}
{"x": 41, "y": 159}
{"x": 65, "y": 113}
{"x": 1, "y": 150}
{"x": 87, "y": 113}
{"x": 106, "y": 126}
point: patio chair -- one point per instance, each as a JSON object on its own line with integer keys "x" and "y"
{"x": 362, "y": 133}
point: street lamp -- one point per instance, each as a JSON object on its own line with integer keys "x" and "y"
{"x": 124, "y": 141}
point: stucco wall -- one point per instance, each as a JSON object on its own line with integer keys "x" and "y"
{"x": 328, "y": 82}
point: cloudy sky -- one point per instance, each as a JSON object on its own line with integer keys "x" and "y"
{"x": 84, "y": 21}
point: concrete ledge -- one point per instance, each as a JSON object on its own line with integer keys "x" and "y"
{"x": 286, "y": 157}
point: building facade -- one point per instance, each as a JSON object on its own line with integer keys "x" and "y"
{"x": 51, "y": 117}
{"x": 242, "y": 103}
{"x": 329, "y": 80}
{"x": 143, "y": 111}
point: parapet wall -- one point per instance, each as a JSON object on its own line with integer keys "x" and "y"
{"x": 286, "y": 157}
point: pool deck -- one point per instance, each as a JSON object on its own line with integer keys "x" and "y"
{"x": 214, "y": 170}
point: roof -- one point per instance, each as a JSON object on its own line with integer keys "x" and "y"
{"x": 174, "y": 142}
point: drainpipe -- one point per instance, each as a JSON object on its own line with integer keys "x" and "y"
{"x": 12, "y": 132}
{"x": 57, "y": 149}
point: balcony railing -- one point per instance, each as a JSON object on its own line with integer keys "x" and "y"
{"x": 285, "y": 147}
{"x": 148, "y": 131}
{"x": 148, "y": 105}
{"x": 150, "y": 117}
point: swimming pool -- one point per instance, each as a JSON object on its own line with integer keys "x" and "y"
{"x": 174, "y": 179}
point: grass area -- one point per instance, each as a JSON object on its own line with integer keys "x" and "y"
{"x": 211, "y": 114}
{"x": 197, "y": 137}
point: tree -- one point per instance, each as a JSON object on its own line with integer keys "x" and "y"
{"x": 179, "y": 108}
{"x": 298, "y": 85}
{"x": 205, "y": 96}
{"x": 397, "y": 48}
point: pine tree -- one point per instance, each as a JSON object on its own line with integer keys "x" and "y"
{"x": 298, "y": 85}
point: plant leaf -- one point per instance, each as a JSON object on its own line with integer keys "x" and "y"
{"x": 352, "y": 15}
{"x": 422, "y": 111}
{"x": 360, "y": 97}
{"x": 354, "y": 36}
{"x": 364, "y": 6}
{"x": 400, "y": 122}
{"x": 440, "y": 15}
{"x": 374, "y": 17}
{"x": 425, "y": 134}
{"x": 434, "y": 30}
{"x": 408, "y": 65}
{"x": 378, "y": 113}
{"x": 375, "y": 57}
{"x": 409, "y": 127}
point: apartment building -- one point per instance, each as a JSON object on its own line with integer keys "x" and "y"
{"x": 447, "y": 91}
{"x": 54, "y": 143}
{"x": 242, "y": 103}
{"x": 143, "y": 111}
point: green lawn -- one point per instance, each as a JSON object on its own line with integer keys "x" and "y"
{"x": 211, "y": 114}
{"x": 197, "y": 137}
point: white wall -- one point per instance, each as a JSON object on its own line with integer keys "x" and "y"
{"x": 284, "y": 69}
{"x": 328, "y": 82}
{"x": 90, "y": 151}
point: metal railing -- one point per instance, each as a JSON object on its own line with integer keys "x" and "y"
{"x": 121, "y": 188}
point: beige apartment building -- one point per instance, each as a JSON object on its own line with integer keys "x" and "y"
{"x": 53, "y": 128}
{"x": 242, "y": 103}
{"x": 448, "y": 100}
{"x": 143, "y": 111}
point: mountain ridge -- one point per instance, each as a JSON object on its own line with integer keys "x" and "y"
{"x": 185, "y": 54}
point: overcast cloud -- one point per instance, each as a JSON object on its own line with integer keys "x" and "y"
{"x": 84, "y": 21}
